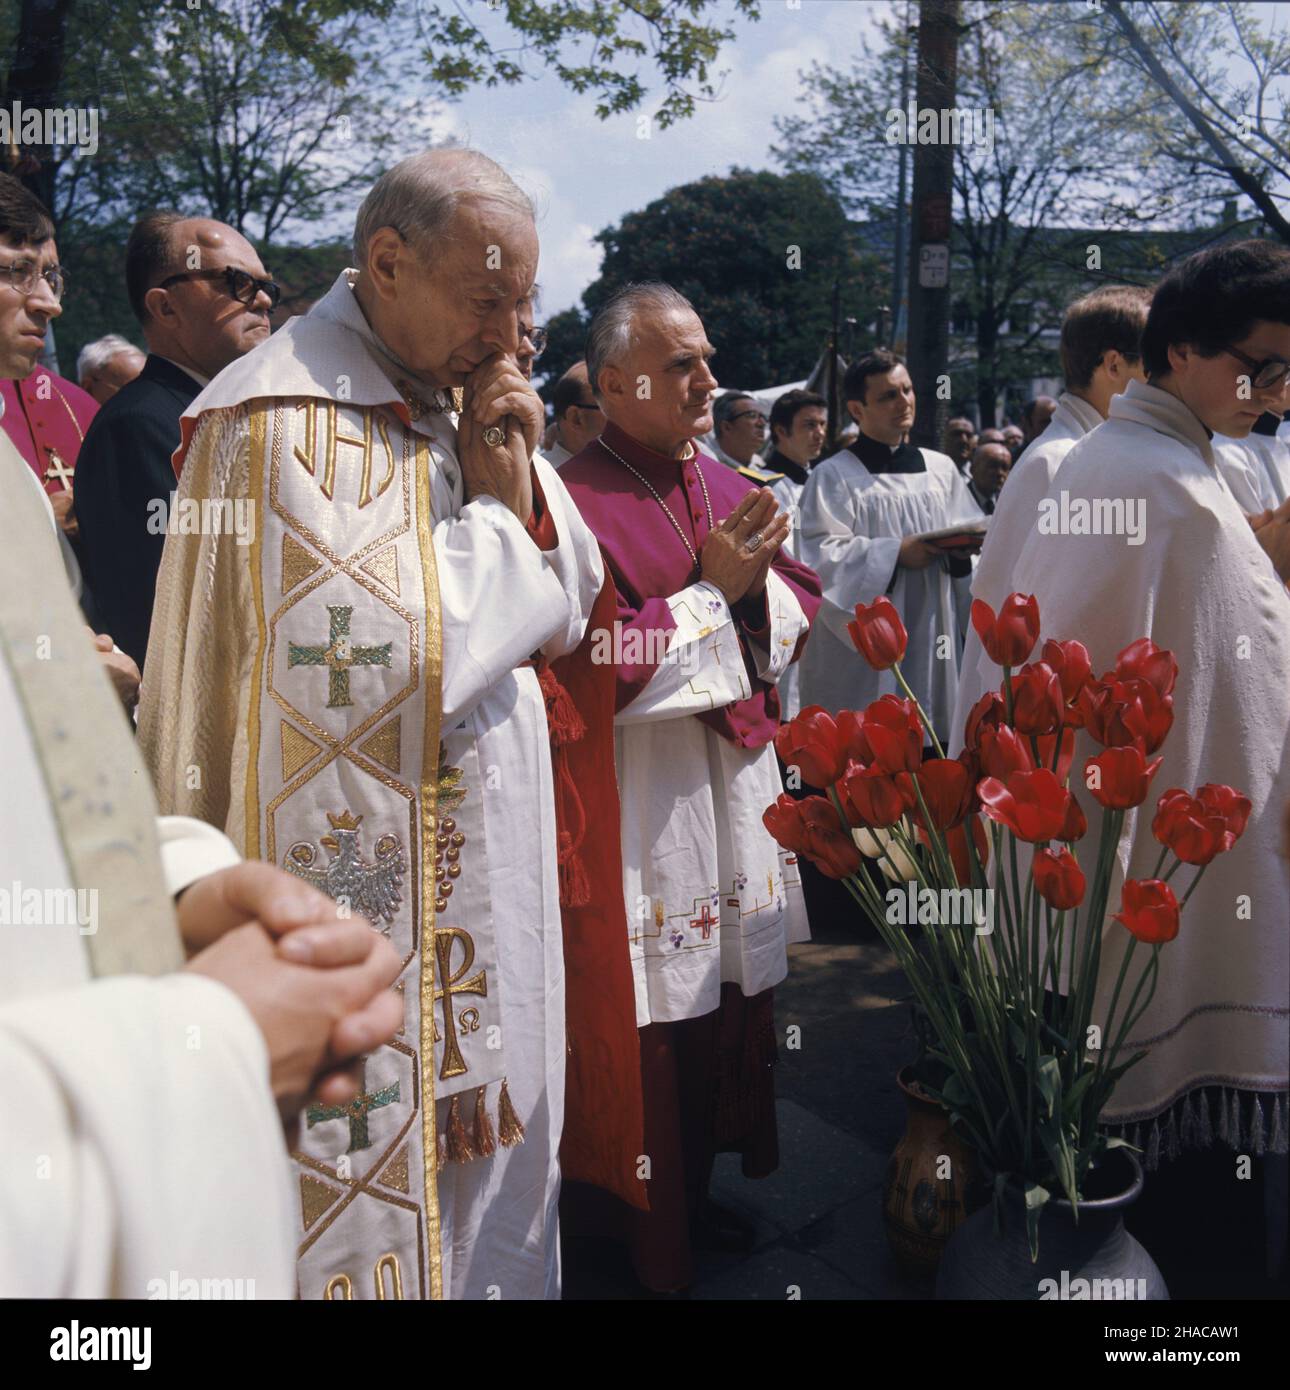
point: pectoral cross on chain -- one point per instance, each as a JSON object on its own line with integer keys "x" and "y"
{"x": 58, "y": 470}
{"x": 450, "y": 984}
{"x": 338, "y": 656}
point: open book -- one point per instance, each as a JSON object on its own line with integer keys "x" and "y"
{"x": 961, "y": 533}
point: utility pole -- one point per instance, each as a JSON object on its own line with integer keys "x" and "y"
{"x": 898, "y": 272}
{"x": 929, "y": 269}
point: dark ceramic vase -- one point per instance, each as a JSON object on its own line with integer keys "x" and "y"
{"x": 920, "y": 1207}
{"x": 1095, "y": 1258}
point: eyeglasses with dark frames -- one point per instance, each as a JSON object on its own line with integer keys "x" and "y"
{"x": 241, "y": 285}
{"x": 1272, "y": 371}
{"x": 744, "y": 414}
{"x": 25, "y": 275}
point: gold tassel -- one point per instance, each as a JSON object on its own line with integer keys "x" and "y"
{"x": 484, "y": 1141}
{"x": 509, "y": 1129}
{"x": 459, "y": 1150}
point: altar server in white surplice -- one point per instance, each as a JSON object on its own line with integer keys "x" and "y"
{"x": 1257, "y": 468}
{"x": 1216, "y": 349}
{"x": 362, "y": 690}
{"x": 138, "y": 1112}
{"x": 1101, "y": 353}
{"x": 863, "y": 510}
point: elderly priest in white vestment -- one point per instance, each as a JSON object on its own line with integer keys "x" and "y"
{"x": 142, "y": 1145}
{"x": 1101, "y": 352}
{"x": 359, "y": 693}
{"x": 863, "y": 512}
{"x": 1216, "y": 349}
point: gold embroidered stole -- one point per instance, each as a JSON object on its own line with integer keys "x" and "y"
{"x": 100, "y": 794}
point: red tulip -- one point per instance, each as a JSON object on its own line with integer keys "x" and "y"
{"x": 1118, "y": 713}
{"x": 785, "y": 823}
{"x": 956, "y": 843}
{"x": 1149, "y": 909}
{"x": 829, "y": 845}
{"x": 1185, "y": 825}
{"x": 891, "y": 735}
{"x": 1003, "y": 751}
{"x": 1075, "y": 826}
{"x": 1048, "y": 750}
{"x": 1119, "y": 777}
{"x": 1009, "y": 638}
{"x": 1071, "y": 662}
{"x": 870, "y": 797}
{"x": 1220, "y": 800}
{"x": 989, "y": 712}
{"x": 878, "y": 633}
{"x": 1033, "y": 805}
{"x": 1037, "y": 704}
{"x": 815, "y": 745}
{"x": 1143, "y": 660}
{"x": 1058, "y": 878}
{"x": 947, "y": 785}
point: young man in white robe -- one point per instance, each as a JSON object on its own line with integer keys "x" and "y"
{"x": 799, "y": 425}
{"x": 863, "y": 512}
{"x": 1101, "y": 353}
{"x": 1194, "y": 578}
{"x": 358, "y": 691}
{"x": 1257, "y": 467}
{"x": 140, "y": 1112}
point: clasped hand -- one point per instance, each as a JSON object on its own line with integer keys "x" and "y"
{"x": 726, "y": 561}
{"x": 496, "y": 393}
{"x": 316, "y": 984}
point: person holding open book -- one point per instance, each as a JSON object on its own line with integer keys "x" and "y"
{"x": 867, "y": 514}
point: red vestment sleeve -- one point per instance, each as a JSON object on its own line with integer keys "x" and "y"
{"x": 604, "y": 1116}
{"x": 540, "y": 525}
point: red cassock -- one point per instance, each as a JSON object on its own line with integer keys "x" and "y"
{"x": 46, "y": 417}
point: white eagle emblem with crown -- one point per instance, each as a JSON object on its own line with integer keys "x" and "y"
{"x": 371, "y": 890}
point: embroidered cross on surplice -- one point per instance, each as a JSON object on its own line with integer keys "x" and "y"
{"x": 339, "y": 656}
{"x": 356, "y": 1112}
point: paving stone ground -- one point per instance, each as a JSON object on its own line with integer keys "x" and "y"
{"x": 818, "y": 1218}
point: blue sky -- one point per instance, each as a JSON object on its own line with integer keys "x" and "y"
{"x": 584, "y": 174}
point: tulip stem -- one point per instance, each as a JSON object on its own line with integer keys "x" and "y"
{"x": 922, "y": 713}
{"x": 1200, "y": 874}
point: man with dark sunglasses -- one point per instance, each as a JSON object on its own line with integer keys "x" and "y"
{"x": 203, "y": 298}
{"x": 578, "y": 416}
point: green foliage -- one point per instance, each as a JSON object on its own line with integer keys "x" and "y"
{"x": 726, "y": 243}
{"x": 1063, "y": 130}
{"x": 593, "y": 46}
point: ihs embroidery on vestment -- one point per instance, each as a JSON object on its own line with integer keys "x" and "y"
{"x": 373, "y": 890}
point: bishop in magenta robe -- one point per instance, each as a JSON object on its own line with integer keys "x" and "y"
{"x": 711, "y": 902}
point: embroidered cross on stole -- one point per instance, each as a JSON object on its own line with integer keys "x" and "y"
{"x": 353, "y": 784}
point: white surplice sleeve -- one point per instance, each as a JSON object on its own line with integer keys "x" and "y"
{"x": 149, "y": 1143}
{"x": 836, "y": 544}
{"x": 703, "y": 666}
{"x": 191, "y": 849}
{"x": 502, "y": 597}
{"x": 787, "y": 624}
{"x": 576, "y": 561}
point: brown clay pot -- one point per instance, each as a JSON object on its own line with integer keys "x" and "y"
{"x": 921, "y": 1210}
